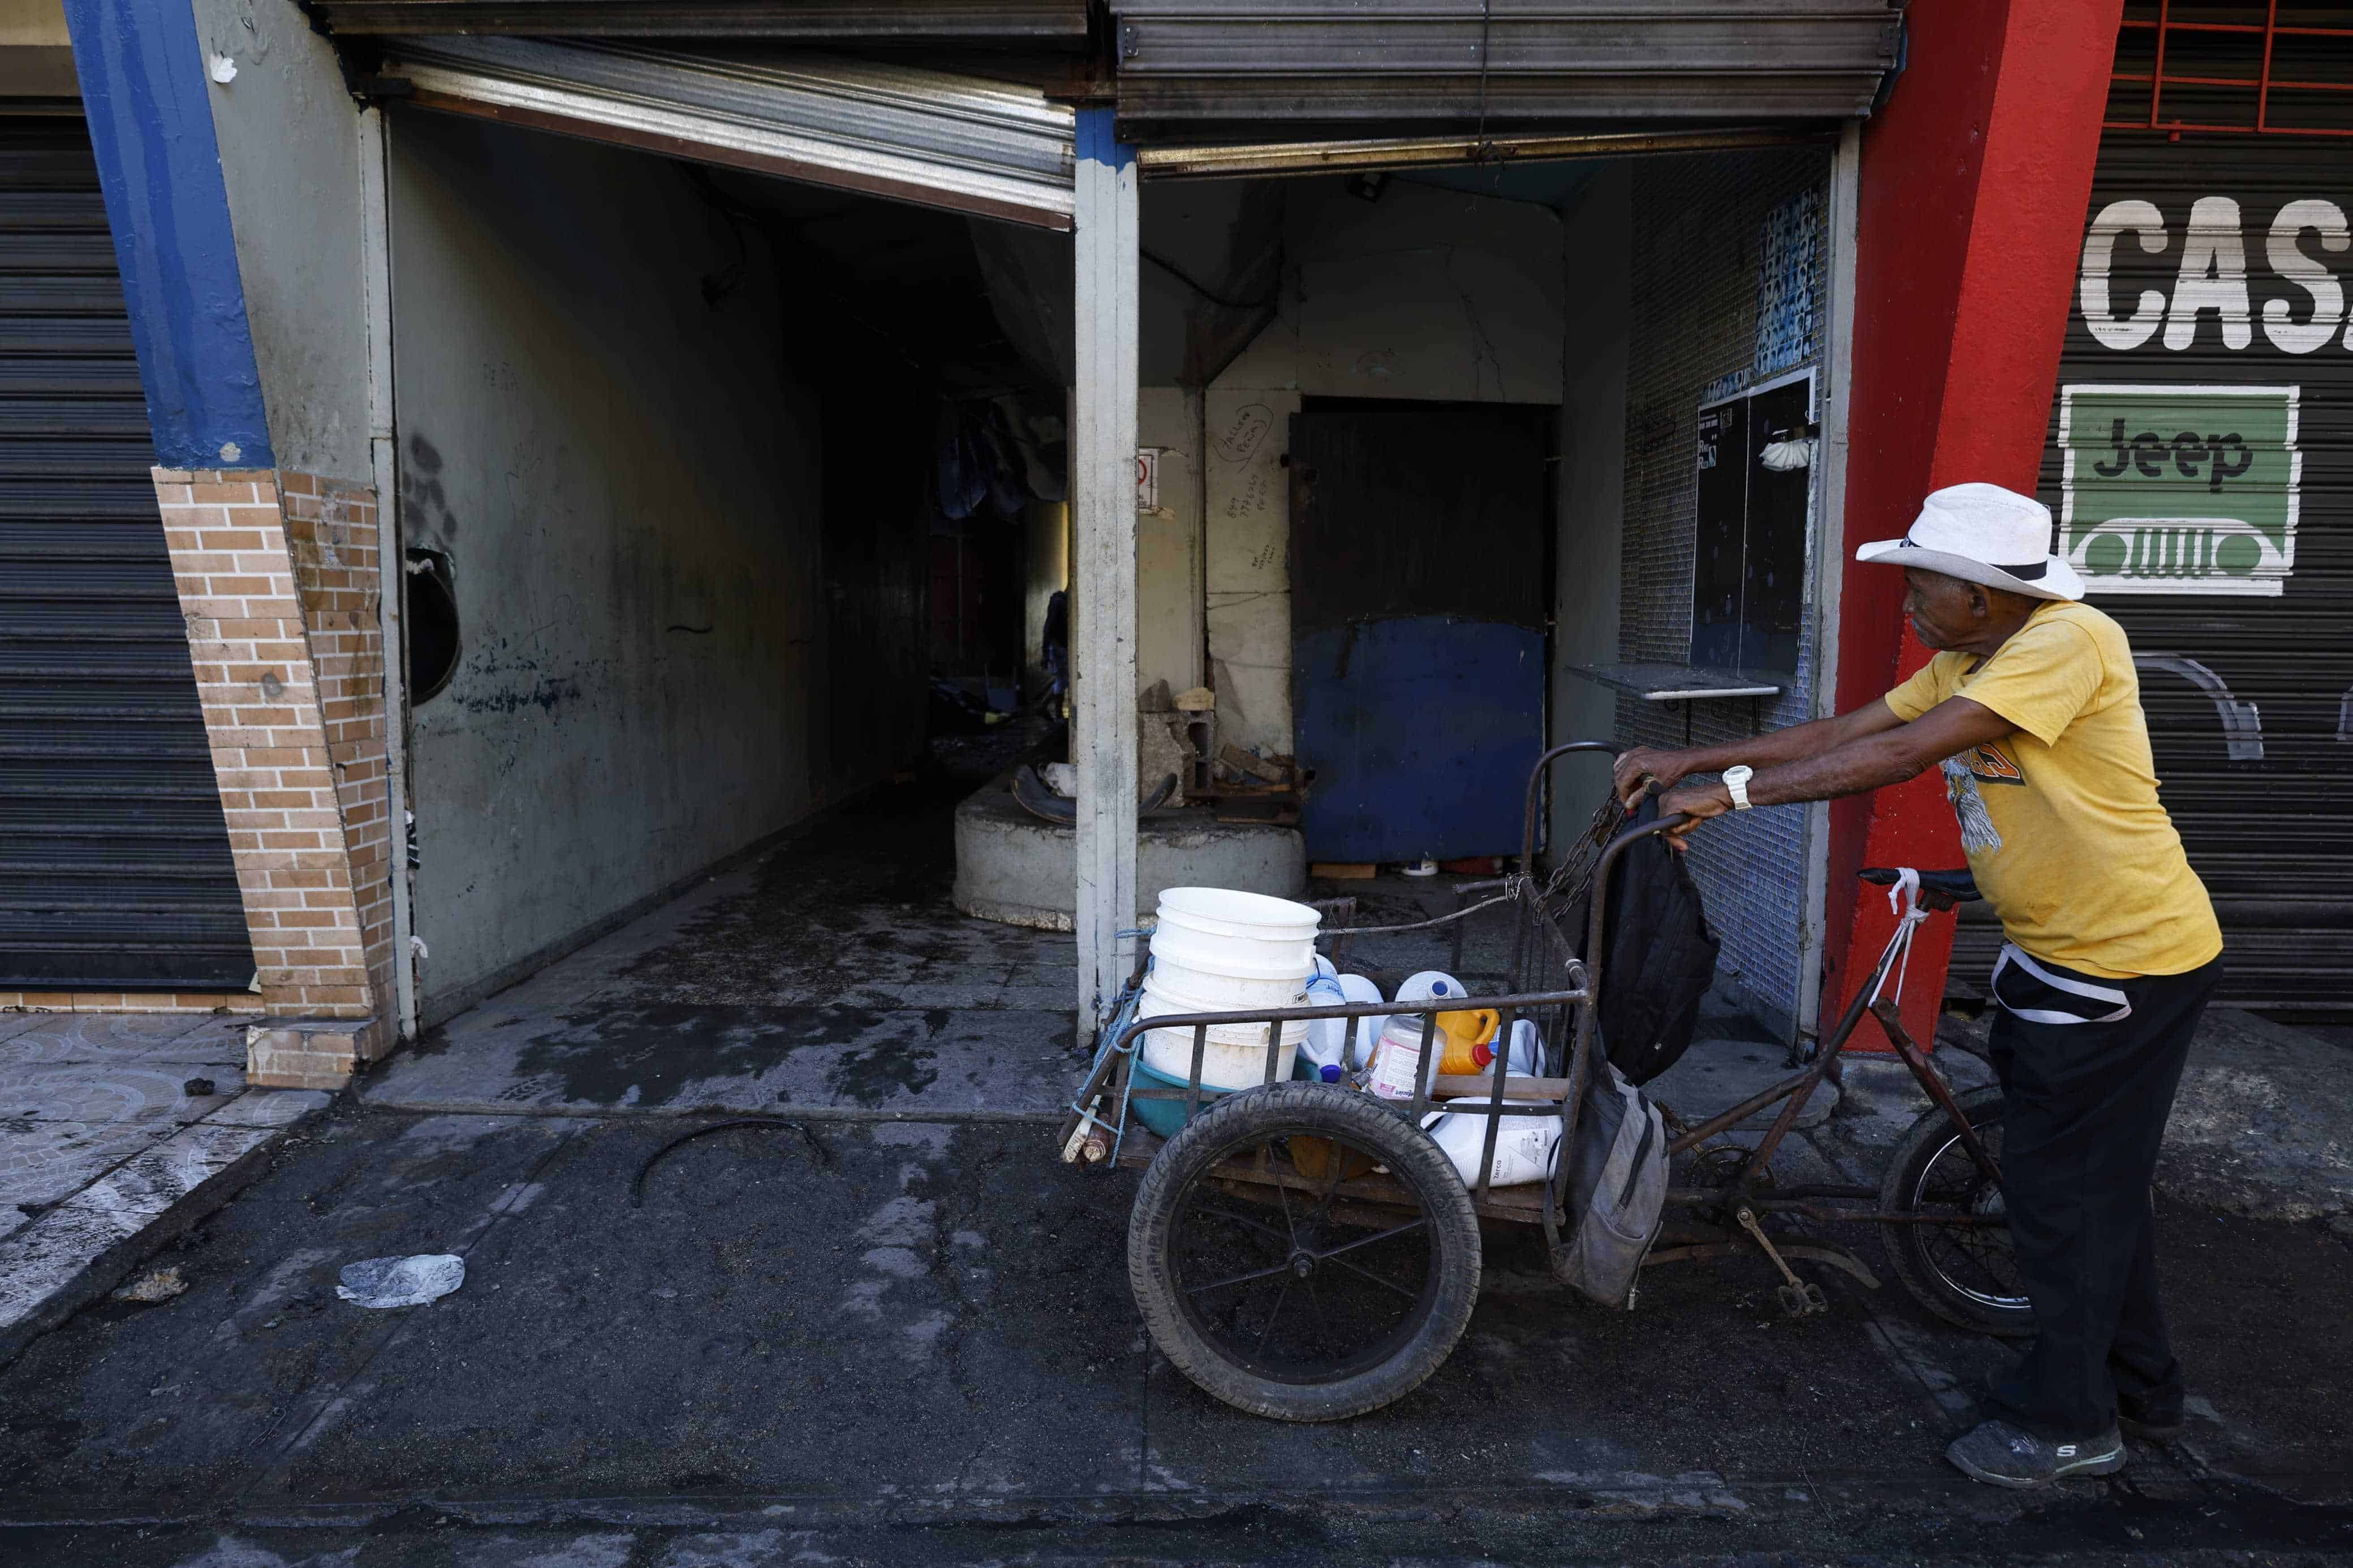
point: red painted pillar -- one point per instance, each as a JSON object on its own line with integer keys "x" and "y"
{"x": 1975, "y": 178}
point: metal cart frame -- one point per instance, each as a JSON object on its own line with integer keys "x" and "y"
{"x": 1553, "y": 984}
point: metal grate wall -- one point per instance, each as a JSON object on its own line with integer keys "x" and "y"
{"x": 2221, "y": 536}
{"x": 1703, "y": 227}
{"x": 114, "y": 861}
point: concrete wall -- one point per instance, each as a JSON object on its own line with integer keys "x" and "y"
{"x": 289, "y": 136}
{"x": 1596, "y": 307}
{"x": 34, "y": 24}
{"x": 1168, "y": 542}
{"x": 35, "y": 50}
{"x": 1426, "y": 293}
{"x": 627, "y": 481}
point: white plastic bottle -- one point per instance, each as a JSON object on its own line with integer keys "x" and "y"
{"x": 1327, "y": 1045}
{"x": 1526, "y": 1050}
{"x": 1367, "y": 1032}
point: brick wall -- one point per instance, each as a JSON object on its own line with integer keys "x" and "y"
{"x": 277, "y": 577}
{"x": 129, "y": 1001}
{"x": 1701, "y": 225}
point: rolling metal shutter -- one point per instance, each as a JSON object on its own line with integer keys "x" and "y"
{"x": 1059, "y": 24}
{"x": 114, "y": 861}
{"x": 2246, "y": 643}
{"x": 991, "y": 149}
{"x": 1499, "y": 63}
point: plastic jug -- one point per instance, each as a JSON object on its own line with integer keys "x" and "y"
{"x": 1327, "y": 1045}
{"x": 1526, "y": 1059}
{"x": 1524, "y": 1145}
{"x": 1429, "y": 983}
{"x": 1356, "y": 988}
{"x": 1470, "y": 1040}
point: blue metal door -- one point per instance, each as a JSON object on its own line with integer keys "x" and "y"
{"x": 1420, "y": 589}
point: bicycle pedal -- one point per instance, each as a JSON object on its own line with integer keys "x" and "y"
{"x": 1804, "y": 1300}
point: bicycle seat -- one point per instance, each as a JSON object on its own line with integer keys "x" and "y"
{"x": 1960, "y": 886}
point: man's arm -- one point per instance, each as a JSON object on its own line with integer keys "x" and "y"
{"x": 1888, "y": 754}
{"x": 1796, "y": 744}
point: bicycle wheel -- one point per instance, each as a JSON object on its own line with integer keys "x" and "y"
{"x": 1323, "y": 1290}
{"x": 1963, "y": 1274}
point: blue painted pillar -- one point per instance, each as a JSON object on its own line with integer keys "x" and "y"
{"x": 147, "y": 96}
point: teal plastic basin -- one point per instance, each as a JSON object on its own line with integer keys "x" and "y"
{"x": 1166, "y": 1116}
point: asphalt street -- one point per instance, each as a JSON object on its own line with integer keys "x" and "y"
{"x": 840, "y": 1336}
{"x": 913, "y": 1342}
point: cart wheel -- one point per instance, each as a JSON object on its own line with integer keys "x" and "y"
{"x": 1295, "y": 1299}
{"x": 1965, "y": 1275}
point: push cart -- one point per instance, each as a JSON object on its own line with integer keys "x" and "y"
{"x": 1307, "y": 1251}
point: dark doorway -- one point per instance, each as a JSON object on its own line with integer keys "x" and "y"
{"x": 1420, "y": 583}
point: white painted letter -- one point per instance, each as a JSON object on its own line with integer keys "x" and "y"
{"x": 2099, "y": 249}
{"x": 2213, "y": 277}
{"x": 2308, "y": 273}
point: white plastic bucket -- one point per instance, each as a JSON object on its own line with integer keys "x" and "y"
{"x": 1219, "y": 991}
{"x": 1228, "y": 913}
{"x": 1234, "y": 1056}
{"x": 1246, "y": 958}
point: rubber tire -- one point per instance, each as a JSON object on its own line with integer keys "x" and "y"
{"x": 1409, "y": 1155}
{"x": 1927, "y": 1136}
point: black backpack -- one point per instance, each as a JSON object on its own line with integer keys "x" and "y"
{"x": 1661, "y": 956}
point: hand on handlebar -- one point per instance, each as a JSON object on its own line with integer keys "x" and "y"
{"x": 1696, "y": 803}
{"x": 1644, "y": 764}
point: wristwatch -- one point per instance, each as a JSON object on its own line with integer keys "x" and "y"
{"x": 1736, "y": 781}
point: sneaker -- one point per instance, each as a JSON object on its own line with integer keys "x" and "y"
{"x": 2001, "y": 1455}
{"x": 2150, "y": 1422}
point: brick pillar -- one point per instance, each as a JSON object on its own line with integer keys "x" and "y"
{"x": 277, "y": 576}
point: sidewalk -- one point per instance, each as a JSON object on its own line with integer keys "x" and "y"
{"x": 120, "y": 1128}
{"x": 792, "y": 986}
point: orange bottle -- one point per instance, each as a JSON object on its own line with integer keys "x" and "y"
{"x": 1468, "y": 1040}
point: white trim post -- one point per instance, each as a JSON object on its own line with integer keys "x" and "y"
{"x": 1102, "y": 609}
{"x": 392, "y": 578}
{"x": 1830, "y": 551}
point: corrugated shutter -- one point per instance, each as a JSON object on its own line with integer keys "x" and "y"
{"x": 989, "y": 148}
{"x": 114, "y": 861}
{"x": 1500, "y": 62}
{"x": 2249, "y": 692}
{"x": 1058, "y": 23}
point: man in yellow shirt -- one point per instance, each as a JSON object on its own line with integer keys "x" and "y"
{"x": 2032, "y": 709}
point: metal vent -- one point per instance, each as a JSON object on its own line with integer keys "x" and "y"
{"x": 1055, "y": 22}
{"x": 1500, "y": 62}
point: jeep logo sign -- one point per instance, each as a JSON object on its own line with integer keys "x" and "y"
{"x": 2180, "y": 489}
{"x": 2193, "y": 488}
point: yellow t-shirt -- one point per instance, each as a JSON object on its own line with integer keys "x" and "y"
{"x": 2060, "y": 820}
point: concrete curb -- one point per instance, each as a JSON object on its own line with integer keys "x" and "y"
{"x": 1043, "y": 1117}
{"x": 94, "y": 1277}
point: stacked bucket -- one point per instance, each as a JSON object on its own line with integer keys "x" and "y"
{"x": 1215, "y": 949}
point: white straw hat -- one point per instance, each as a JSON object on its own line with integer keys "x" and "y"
{"x": 1982, "y": 533}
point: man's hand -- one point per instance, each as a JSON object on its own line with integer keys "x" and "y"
{"x": 1645, "y": 762}
{"x": 1699, "y": 802}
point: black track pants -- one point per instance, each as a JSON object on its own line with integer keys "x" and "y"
{"x": 2083, "y": 1111}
